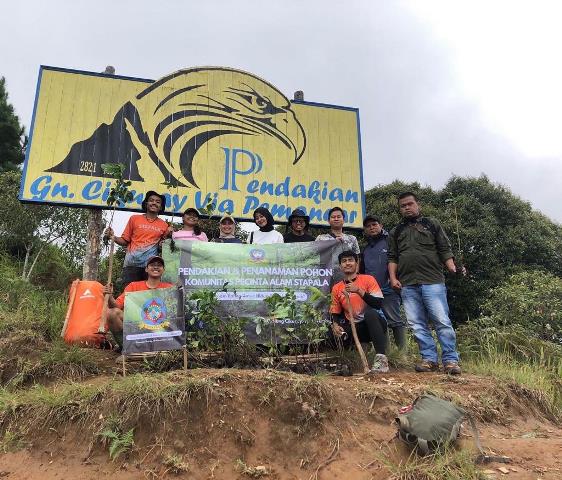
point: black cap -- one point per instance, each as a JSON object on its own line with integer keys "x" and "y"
{"x": 156, "y": 258}
{"x": 371, "y": 218}
{"x": 192, "y": 210}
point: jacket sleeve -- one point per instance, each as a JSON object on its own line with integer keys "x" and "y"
{"x": 442, "y": 242}
{"x": 374, "y": 302}
{"x": 373, "y": 294}
{"x": 392, "y": 247}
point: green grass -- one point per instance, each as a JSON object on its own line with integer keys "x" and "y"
{"x": 130, "y": 398}
{"x": 516, "y": 358}
{"x": 175, "y": 464}
{"x": 542, "y": 384}
{"x": 151, "y": 400}
{"x": 448, "y": 465}
{"x": 28, "y": 307}
{"x": 56, "y": 362}
{"x": 11, "y": 441}
{"x": 31, "y": 319}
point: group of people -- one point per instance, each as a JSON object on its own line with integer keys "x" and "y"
{"x": 403, "y": 266}
{"x": 406, "y": 265}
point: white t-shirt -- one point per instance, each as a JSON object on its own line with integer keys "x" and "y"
{"x": 264, "y": 238}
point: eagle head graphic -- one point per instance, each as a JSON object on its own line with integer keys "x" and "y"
{"x": 176, "y": 116}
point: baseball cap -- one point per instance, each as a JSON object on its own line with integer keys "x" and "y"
{"x": 225, "y": 216}
{"x": 371, "y": 218}
{"x": 155, "y": 258}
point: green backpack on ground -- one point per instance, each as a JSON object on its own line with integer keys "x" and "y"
{"x": 431, "y": 423}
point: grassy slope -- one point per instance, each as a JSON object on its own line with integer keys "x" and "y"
{"x": 30, "y": 323}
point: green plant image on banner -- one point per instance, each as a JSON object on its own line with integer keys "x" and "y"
{"x": 244, "y": 276}
{"x": 153, "y": 321}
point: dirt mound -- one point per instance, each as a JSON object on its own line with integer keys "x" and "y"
{"x": 231, "y": 423}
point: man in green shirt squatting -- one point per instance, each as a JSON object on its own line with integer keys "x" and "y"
{"x": 418, "y": 249}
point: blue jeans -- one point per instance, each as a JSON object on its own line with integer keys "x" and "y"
{"x": 428, "y": 303}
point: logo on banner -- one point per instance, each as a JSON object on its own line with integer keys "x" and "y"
{"x": 176, "y": 116}
{"x": 154, "y": 314}
{"x": 257, "y": 255}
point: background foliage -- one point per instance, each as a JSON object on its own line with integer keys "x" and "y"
{"x": 529, "y": 299}
{"x": 12, "y": 135}
{"x": 499, "y": 234}
{"x": 27, "y": 231}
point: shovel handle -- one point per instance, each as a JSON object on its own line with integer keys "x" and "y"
{"x": 358, "y": 346}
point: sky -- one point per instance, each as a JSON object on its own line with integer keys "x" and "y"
{"x": 443, "y": 87}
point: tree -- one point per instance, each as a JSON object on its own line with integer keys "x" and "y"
{"x": 12, "y": 135}
{"x": 30, "y": 228}
{"x": 498, "y": 233}
{"x": 531, "y": 299}
{"x": 94, "y": 232}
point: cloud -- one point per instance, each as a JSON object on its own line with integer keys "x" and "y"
{"x": 420, "y": 119}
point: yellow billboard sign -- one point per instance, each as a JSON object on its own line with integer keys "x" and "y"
{"x": 208, "y": 135}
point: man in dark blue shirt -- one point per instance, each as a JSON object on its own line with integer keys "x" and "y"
{"x": 375, "y": 263}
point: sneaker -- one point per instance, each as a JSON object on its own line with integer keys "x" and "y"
{"x": 427, "y": 366}
{"x": 451, "y": 368}
{"x": 380, "y": 365}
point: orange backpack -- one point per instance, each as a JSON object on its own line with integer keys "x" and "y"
{"x": 85, "y": 303}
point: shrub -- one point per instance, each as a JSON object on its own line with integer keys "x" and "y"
{"x": 530, "y": 299}
{"x": 28, "y": 307}
{"x": 210, "y": 332}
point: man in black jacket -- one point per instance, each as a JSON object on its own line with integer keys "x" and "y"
{"x": 298, "y": 222}
{"x": 418, "y": 250}
{"x": 375, "y": 263}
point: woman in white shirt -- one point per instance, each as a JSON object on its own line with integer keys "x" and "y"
{"x": 266, "y": 233}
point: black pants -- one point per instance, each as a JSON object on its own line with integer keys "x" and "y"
{"x": 133, "y": 274}
{"x": 399, "y": 334}
{"x": 371, "y": 329}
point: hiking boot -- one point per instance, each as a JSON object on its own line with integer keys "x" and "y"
{"x": 380, "y": 365}
{"x": 427, "y": 366}
{"x": 451, "y": 368}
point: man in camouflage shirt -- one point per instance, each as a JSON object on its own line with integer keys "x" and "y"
{"x": 346, "y": 242}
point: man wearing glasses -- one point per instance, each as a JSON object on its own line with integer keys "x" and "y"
{"x": 298, "y": 222}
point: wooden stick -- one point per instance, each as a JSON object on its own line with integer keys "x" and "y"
{"x": 73, "y": 290}
{"x": 358, "y": 346}
{"x": 185, "y": 358}
{"x": 103, "y": 319}
{"x": 123, "y": 357}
